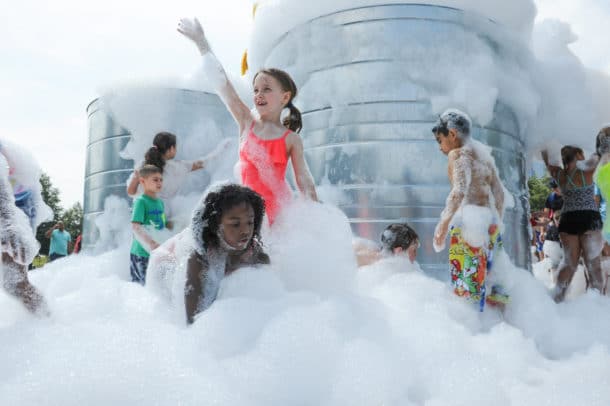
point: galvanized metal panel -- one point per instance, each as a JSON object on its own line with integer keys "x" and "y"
{"x": 372, "y": 140}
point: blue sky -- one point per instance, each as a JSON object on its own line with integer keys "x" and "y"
{"x": 58, "y": 55}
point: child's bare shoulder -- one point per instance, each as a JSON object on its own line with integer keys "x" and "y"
{"x": 457, "y": 153}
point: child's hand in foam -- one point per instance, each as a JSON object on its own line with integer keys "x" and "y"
{"x": 440, "y": 235}
{"x": 191, "y": 28}
{"x": 20, "y": 250}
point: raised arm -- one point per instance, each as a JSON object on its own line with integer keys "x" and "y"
{"x": 50, "y": 231}
{"x": 553, "y": 169}
{"x": 191, "y": 28}
{"x": 589, "y": 165}
{"x": 302, "y": 174}
{"x": 459, "y": 170}
{"x": 134, "y": 181}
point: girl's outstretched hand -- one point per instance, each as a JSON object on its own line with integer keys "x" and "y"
{"x": 191, "y": 28}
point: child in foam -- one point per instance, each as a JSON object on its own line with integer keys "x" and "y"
{"x": 18, "y": 247}
{"x": 267, "y": 143}
{"x": 224, "y": 235}
{"x": 162, "y": 155}
{"x": 473, "y": 210}
{"x": 398, "y": 239}
{"x": 148, "y": 216}
{"x": 24, "y": 179}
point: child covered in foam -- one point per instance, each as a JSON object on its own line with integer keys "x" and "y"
{"x": 18, "y": 247}
{"x": 398, "y": 240}
{"x": 223, "y": 236}
{"x": 473, "y": 211}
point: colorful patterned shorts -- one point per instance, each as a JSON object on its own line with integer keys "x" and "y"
{"x": 470, "y": 267}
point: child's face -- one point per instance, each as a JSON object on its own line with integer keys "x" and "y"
{"x": 171, "y": 152}
{"x": 269, "y": 97}
{"x": 448, "y": 143}
{"x": 237, "y": 225}
{"x": 152, "y": 183}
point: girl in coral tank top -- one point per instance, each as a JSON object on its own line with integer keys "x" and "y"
{"x": 267, "y": 143}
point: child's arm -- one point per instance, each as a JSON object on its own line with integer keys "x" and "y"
{"x": 193, "y": 288}
{"x": 142, "y": 236}
{"x": 239, "y": 110}
{"x": 553, "y": 170}
{"x": 459, "y": 177}
{"x": 210, "y": 158}
{"x": 497, "y": 191}
{"x": 301, "y": 170}
{"x": 134, "y": 181}
{"x": 588, "y": 165}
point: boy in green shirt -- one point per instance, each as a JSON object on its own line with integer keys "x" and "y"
{"x": 148, "y": 214}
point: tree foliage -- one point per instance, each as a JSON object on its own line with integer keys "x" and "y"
{"x": 73, "y": 220}
{"x": 50, "y": 195}
{"x": 72, "y": 217}
{"x": 539, "y": 191}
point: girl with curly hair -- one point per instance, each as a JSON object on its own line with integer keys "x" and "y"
{"x": 223, "y": 236}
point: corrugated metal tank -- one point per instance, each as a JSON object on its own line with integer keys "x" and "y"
{"x": 199, "y": 119}
{"x": 374, "y": 142}
{"x": 106, "y": 172}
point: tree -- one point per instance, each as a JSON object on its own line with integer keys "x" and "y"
{"x": 539, "y": 191}
{"x": 73, "y": 220}
{"x": 50, "y": 195}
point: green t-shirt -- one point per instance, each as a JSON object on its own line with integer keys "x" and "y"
{"x": 149, "y": 212}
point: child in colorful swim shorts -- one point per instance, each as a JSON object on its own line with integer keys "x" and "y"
{"x": 473, "y": 210}
{"x": 267, "y": 142}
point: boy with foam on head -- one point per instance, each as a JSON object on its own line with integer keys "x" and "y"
{"x": 148, "y": 215}
{"x": 473, "y": 210}
{"x": 398, "y": 239}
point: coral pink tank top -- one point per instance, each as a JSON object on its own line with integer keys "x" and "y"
{"x": 263, "y": 169}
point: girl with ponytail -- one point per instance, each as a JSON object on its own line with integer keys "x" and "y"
{"x": 161, "y": 154}
{"x": 267, "y": 142}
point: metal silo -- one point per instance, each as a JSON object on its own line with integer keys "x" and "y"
{"x": 373, "y": 142}
{"x": 199, "y": 120}
{"x": 106, "y": 172}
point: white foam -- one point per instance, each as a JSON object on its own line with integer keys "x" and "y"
{"x": 309, "y": 328}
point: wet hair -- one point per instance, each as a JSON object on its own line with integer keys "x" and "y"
{"x": 453, "y": 119}
{"x": 293, "y": 121}
{"x": 162, "y": 143}
{"x": 398, "y": 235}
{"x": 207, "y": 217}
{"x": 147, "y": 170}
{"x": 568, "y": 154}
{"x": 602, "y": 141}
